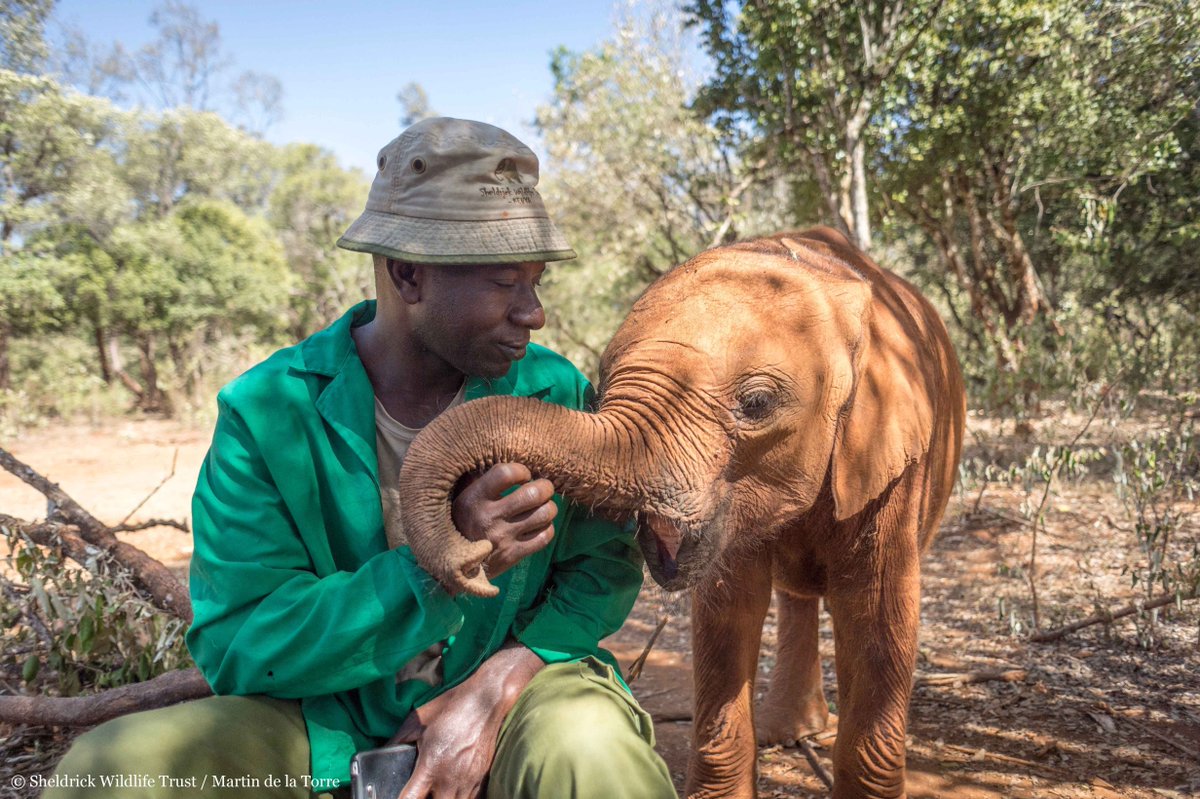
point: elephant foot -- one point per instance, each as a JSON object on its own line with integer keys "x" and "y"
{"x": 780, "y": 725}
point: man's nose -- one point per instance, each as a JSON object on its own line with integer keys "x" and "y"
{"x": 528, "y": 312}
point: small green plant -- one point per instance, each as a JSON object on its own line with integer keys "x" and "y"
{"x": 1157, "y": 479}
{"x": 72, "y": 629}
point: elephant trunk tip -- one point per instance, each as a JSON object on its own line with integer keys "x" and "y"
{"x": 459, "y": 569}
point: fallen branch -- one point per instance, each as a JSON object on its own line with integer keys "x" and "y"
{"x": 121, "y": 524}
{"x": 635, "y": 668}
{"x": 981, "y": 752}
{"x": 86, "y": 711}
{"x": 815, "y": 762}
{"x": 148, "y": 524}
{"x": 963, "y": 678}
{"x": 1105, "y": 617}
{"x": 1187, "y": 750}
{"x": 148, "y": 574}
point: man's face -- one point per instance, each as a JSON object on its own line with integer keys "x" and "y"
{"x": 478, "y": 318}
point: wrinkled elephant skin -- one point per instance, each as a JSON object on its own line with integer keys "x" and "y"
{"x": 780, "y": 413}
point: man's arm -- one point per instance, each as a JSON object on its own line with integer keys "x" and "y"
{"x": 264, "y": 621}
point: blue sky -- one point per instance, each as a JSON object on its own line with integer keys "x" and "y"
{"x": 341, "y": 63}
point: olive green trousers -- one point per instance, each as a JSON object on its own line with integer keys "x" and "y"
{"x": 574, "y": 732}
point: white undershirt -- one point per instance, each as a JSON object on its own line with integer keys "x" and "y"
{"x": 392, "y": 440}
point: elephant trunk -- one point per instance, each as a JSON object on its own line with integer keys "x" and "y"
{"x": 595, "y": 459}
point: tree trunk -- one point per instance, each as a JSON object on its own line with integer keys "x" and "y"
{"x": 100, "y": 338}
{"x": 5, "y": 367}
{"x": 860, "y": 212}
{"x": 153, "y": 400}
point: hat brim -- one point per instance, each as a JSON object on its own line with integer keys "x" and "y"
{"x": 442, "y": 241}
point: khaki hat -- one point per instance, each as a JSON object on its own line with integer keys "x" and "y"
{"x": 453, "y": 191}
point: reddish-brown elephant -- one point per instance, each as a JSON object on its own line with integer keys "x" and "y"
{"x": 779, "y": 407}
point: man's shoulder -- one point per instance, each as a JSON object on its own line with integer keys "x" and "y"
{"x": 284, "y": 376}
{"x": 265, "y": 380}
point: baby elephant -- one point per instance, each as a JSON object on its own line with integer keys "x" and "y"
{"x": 779, "y": 413}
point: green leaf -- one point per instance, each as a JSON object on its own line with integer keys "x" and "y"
{"x": 30, "y": 670}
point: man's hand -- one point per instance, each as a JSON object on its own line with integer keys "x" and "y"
{"x": 517, "y": 525}
{"x": 456, "y": 732}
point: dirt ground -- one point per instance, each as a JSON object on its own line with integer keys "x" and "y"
{"x": 1096, "y": 715}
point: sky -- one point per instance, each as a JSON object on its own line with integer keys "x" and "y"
{"x": 342, "y": 62}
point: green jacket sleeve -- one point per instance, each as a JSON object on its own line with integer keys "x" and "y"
{"x": 596, "y": 574}
{"x": 265, "y": 622}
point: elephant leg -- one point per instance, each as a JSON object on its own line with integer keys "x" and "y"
{"x": 795, "y": 703}
{"x": 727, "y": 619}
{"x": 875, "y": 619}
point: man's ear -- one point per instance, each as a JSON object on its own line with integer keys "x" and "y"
{"x": 406, "y": 279}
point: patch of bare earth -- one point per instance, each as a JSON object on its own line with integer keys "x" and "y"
{"x": 1094, "y": 714}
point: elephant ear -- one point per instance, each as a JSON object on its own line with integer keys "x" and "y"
{"x": 887, "y": 423}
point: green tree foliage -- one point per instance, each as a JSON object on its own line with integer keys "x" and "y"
{"x": 1020, "y": 126}
{"x": 635, "y": 179}
{"x": 22, "y": 34}
{"x": 811, "y": 80}
{"x": 313, "y": 201}
{"x": 1032, "y": 158}
{"x": 164, "y": 238}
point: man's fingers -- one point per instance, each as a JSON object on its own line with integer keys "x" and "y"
{"x": 525, "y": 524}
{"x": 526, "y": 499}
{"x": 498, "y": 479}
{"x": 526, "y": 546}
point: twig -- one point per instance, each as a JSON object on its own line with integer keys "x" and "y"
{"x": 815, "y": 762}
{"x": 150, "y": 575}
{"x": 1039, "y": 518}
{"x": 35, "y": 621}
{"x": 635, "y": 668}
{"x": 1192, "y": 753}
{"x": 148, "y": 524}
{"x": 1105, "y": 617}
{"x": 84, "y": 711}
{"x": 161, "y": 483}
{"x": 1019, "y": 761}
{"x": 963, "y": 678}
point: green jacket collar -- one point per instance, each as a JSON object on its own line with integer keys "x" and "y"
{"x": 346, "y": 401}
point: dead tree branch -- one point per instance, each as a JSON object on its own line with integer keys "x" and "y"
{"x": 635, "y": 668}
{"x": 66, "y": 516}
{"x": 817, "y": 766}
{"x": 963, "y": 678}
{"x": 121, "y": 524}
{"x": 86, "y": 711}
{"x": 1106, "y": 617}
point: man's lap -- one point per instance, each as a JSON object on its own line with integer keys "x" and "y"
{"x": 572, "y": 720}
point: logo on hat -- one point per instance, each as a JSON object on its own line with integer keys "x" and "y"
{"x": 507, "y": 171}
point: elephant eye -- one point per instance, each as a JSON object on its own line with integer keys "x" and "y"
{"x": 756, "y": 405}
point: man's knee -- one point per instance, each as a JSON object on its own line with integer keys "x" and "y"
{"x": 577, "y": 732}
{"x": 162, "y": 752}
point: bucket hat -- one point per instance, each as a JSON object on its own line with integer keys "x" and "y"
{"x": 453, "y": 191}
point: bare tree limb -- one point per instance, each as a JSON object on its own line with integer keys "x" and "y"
{"x": 174, "y": 461}
{"x": 963, "y": 678}
{"x": 85, "y": 711}
{"x": 149, "y": 524}
{"x": 1109, "y": 616}
{"x": 150, "y": 575}
{"x": 635, "y": 668}
{"x": 817, "y": 766}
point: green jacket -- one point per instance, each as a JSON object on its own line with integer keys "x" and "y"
{"x": 294, "y": 590}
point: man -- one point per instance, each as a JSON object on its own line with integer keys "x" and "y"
{"x": 321, "y": 641}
